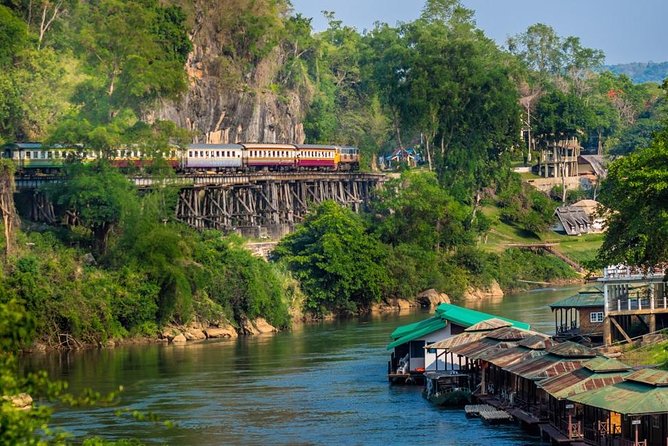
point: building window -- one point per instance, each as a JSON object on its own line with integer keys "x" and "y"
{"x": 596, "y": 317}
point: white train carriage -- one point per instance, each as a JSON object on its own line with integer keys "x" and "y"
{"x": 213, "y": 156}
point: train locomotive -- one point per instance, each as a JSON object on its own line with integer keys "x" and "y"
{"x": 195, "y": 158}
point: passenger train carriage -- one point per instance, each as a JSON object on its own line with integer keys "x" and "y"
{"x": 279, "y": 156}
{"x": 35, "y": 158}
{"x": 213, "y": 156}
{"x": 312, "y": 156}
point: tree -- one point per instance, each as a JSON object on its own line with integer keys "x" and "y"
{"x": 98, "y": 195}
{"x": 546, "y": 53}
{"x": 135, "y": 50}
{"x": 339, "y": 264}
{"x": 417, "y": 210}
{"x": 636, "y": 192}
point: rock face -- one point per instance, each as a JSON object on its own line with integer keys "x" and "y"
{"x": 493, "y": 291}
{"x": 432, "y": 298}
{"x": 22, "y": 401}
{"x": 179, "y": 339}
{"x": 256, "y": 327}
{"x": 194, "y": 334}
{"x": 393, "y": 305}
{"x": 221, "y": 332}
{"x": 220, "y": 107}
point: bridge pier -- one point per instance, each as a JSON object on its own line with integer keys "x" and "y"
{"x": 270, "y": 206}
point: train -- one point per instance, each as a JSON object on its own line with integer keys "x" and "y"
{"x": 194, "y": 158}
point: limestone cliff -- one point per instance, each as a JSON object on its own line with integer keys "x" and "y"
{"x": 228, "y": 100}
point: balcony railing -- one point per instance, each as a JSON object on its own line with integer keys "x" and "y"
{"x": 628, "y": 303}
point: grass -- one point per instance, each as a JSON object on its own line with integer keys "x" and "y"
{"x": 655, "y": 354}
{"x": 579, "y": 248}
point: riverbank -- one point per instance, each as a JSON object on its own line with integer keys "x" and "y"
{"x": 314, "y": 384}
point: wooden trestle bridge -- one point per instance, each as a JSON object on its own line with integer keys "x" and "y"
{"x": 264, "y": 204}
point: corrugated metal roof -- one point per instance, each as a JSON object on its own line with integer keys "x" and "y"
{"x": 507, "y": 357}
{"x": 579, "y": 381}
{"x": 509, "y": 334}
{"x": 544, "y": 366}
{"x": 584, "y": 299}
{"x": 571, "y": 349}
{"x": 652, "y": 377}
{"x": 422, "y": 330}
{"x": 601, "y": 364}
{"x": 467, "y": 317}
{"x": 475, "y": 347}
{"x": 457, "y": 340}
{"x": 627, "y": 397}
{"x": 405, "y": 329}
{"x": 445, "y": 313}
{"x": 489, "y": 325}
{"x": 538, "y": 341}
{"x": 598, "y": 164}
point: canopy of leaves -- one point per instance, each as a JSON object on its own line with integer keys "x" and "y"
{"x": 99, "y": 195}
{"x": 416, "y": 209}
{"x": 339, "y": 264}
{"x": 636, "y": 192}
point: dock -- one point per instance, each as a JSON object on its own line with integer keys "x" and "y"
{"x": 473, "y": 410}
{"x": 489, "y": 414}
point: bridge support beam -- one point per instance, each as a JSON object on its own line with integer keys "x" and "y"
{"x": 269, "y": 207}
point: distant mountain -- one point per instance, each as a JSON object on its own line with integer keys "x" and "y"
{"x": 641, "y": 72}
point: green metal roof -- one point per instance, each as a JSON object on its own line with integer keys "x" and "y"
{"x": 405, "y": 329}
{"x": 467, "y": 317}
{"x": 444, "y": 313}
{"x": 627, "y": 397}
{"x": 434, "y": 324}
{"x": 584, "y": 299}
{"x": 602, "y": 364}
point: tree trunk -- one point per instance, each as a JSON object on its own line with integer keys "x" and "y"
{"x": 428, "y": 154}
{"x": 10, "y": 217}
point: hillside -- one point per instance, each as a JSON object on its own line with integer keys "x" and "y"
{"x": 641, "y": 72}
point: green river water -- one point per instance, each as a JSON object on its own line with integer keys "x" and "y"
{"x": 319, "y": 384}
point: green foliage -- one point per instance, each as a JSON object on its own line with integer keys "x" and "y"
{"x": 416, "y": 209}
{"x": 515, "y": 266}
{"x": 559, "y": 115}
{"x": 13, "y": 36}
{"x": 247, "y": 286}
{"x": 339, "y": 264}
{"x": 99, "y": 195}
{"x": 636, "y": 192}
{"x": 524, "y": 206}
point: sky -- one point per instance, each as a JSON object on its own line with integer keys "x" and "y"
{"x": 626, "y": 30}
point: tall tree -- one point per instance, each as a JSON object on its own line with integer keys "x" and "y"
{"x": 636, "y": 192}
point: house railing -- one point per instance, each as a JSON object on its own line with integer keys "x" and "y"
{"x": 628, "y": 303}
{"x": 600, "y": 433}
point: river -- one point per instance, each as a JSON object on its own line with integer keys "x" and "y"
{"x": 318, "y": 384}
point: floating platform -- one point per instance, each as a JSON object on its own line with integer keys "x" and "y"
{"x": 496, "y": 416}
{"x": 474, "y": 410}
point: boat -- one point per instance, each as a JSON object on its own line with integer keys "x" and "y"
{"x": 447, "y": 389}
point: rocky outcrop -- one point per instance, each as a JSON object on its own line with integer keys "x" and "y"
{"x": 393, "y": 305}
{"x": 22, "y": 401}
{"x": 194, "y": 334}
{"x": 492, "y": 291}
{"x": 256, "y": 327}
{"x": 179, "y": 339}
{"x": 221, "y": 332}
{"x": 225, "y": 103}
{"x": 432, "y": 298}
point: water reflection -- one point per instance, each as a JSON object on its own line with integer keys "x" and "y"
{"x": 321, "y": 384}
